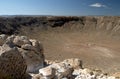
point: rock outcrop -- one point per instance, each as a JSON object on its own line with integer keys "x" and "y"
{"x": 32, "y": 52}
{"x": 12, "y": 63}
{"x": 19, "y": 55}
{"x": 65, "y": 70}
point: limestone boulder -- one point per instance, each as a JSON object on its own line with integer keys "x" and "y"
{"x": 31, "y": 50}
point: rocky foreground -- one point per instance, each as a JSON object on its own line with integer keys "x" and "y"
{"x": 23, "y": 58}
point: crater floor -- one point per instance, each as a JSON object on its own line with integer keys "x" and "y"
{"x": 96, "y": 50}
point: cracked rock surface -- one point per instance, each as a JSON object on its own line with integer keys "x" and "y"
{"x": 19, "y": 55}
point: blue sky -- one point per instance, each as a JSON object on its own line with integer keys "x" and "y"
{"x": 60, "y": 7}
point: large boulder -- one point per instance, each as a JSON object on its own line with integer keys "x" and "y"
{"x": 30, "y": 49}
{"x": 12, "y": 63}
{"x": 33, "y": 54}
{"x": 34, "y": 61}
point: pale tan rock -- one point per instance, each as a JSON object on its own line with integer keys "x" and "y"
{"x": 31, "y": 51}
{"x": 62, "y": 70}
{"x": 74, "y": 62}
{"x": 23, "y": 56}
{"x": 37, "y": 45}
{"x": 34, "y": 58}
{"x": 36, "y": 76}
{"x": 27, "y": 47}
{"x": 47, "y": 72}
{"x": 10, "y": 39}
{"x": 86, "y": 71}
{"x": 34, "y": 61}
{"x": 49, "y": 62}
{"x": 117, "y": 75}
{"x": 34, "y": 42}
{"x": 21, "y": 40}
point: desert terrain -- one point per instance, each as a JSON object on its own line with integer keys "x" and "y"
{"x": 93, "y": 39}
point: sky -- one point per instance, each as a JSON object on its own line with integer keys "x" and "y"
{"x": 60, "y": 7}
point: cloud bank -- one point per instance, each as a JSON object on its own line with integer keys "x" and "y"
{"x": 98, "y": 5}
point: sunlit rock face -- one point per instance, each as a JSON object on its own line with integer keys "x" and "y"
{"x": 31, "y": 50}
{"x": 67, "y": 70}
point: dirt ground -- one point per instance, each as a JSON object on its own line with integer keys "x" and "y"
{"x": 97, "y": 51}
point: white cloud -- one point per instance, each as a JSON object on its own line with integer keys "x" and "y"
{"x": 98, "y": 5}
